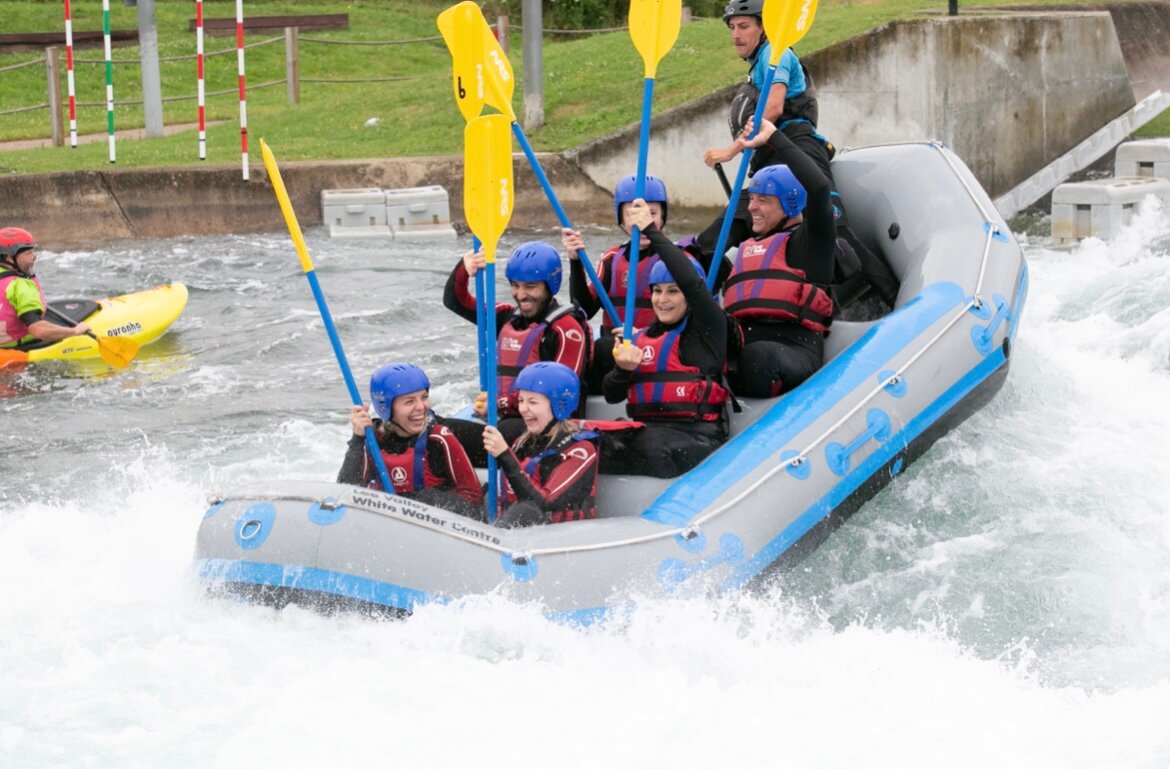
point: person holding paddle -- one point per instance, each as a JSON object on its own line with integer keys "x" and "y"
{"x": 421, "y": 455}
{"x": 777, "y": 286}
{"x": 550, "y": 470}
{"x": 672, "y": 375}
{"x": 536, "y": 328}
{"x": 613, "y": 271}
{"x": 22, "y": 302}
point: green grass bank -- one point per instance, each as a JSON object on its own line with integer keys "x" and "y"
{"x": 592, "y": 84}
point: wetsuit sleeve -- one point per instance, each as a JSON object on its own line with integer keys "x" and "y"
{"x": 456, "y": 296}
{"x": 353, "y": 466}
{"x": 448, "y": 459}
{"x": 581, "y": 291}
{"x": 707, "y": 317}
{"x": 568, "y": 486}
{"x": 813, "y": 245}
{"x": 615, "y": 387}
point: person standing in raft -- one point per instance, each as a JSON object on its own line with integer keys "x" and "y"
{"x": 672, "y": 376}
{"x": 22, "y": 302}
{"x": 776, "y": 289}
{"x": 536, "y": 328}
{"x": 423, "y": 459}
{"x": 613, "y": 270}
{"x": 792, "y": 106}
{"x": 550, "y": 471}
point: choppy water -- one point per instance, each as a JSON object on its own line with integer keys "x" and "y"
{"x": 1005, "y": 603}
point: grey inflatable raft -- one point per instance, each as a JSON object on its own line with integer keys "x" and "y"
{"x": 794, "y": 468}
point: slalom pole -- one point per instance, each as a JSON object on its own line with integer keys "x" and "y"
{"x": 199, "y": 85}
{"x": 69, "y": 75}
{"x": 298, "y": 239}
{"x": 243, "y": 101}
{"x": 109, "y": 79}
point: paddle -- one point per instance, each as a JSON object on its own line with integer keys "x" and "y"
{"x": 294, "y": 230}
{"x": 482, "y": 74}
{"x": 654, "y": 26}
{"x": 117, "y": 351}
{"x": 487, "y": 204}
{"x": 785, "y": 23}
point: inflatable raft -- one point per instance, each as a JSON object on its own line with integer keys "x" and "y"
{"x": 143, "y": 316}
{"x": 794, "y": 468}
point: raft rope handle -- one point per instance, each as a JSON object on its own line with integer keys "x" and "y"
{"x": 692, "y": 527}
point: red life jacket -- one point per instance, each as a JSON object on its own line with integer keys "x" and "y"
{"x": 516, "y": 348}
{"x": 619, "y": 272}
{"x": 562, "y": 450}
{"x": 666, "y": 388}
{"x": 408, "y": 471}
{"x": 11, "y": 327}
{"x": 763, "y": 285}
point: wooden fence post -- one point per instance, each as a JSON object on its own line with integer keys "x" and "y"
{"x": 53, "y": 70}
{"x": 292, "y": 67}
{"x": 502, "y": 32}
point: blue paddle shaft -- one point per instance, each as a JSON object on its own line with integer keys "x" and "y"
{"x": 563, "y": 218}
{"x": 744, "y": 161}
{"x": 350, "y": 384}
{"x": 639, "y": 191}
{"x": 480, "y": 325}
{"x": 490, "y": 313}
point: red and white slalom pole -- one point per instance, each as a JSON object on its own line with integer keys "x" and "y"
{"x": 243, "y": 101}
{"x": 199, "y": 79}
{"x": 69, "y": 75}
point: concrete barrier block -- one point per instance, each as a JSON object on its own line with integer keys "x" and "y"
{"x": 355, "y": 212}
{"x": 1102, "y": 207}
{"x": 419, "y": 213}
{"x": 1146, "y": 157}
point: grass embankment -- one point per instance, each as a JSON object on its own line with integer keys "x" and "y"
{"x": 592, "y": 85}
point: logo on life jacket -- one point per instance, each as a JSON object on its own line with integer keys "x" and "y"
{"x": 625, "y": 281}
{"x": 398, "y": 475}
{"x": 578, "y": 453}
{"x": 509, "y": 343}
{"x": 647, "y": 354}
{"x": 574, "y": 335}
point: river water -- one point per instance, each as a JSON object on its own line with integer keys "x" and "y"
{"x": 1006, "y": 602}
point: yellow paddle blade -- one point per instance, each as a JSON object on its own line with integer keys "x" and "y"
{"x": 785, "y": 23}
{"x": 117, "y": 351}
{"x": 290, "y": 217}
{"x": 654, "y": 26}
{"x": 466, "y": 72}
{"x": 481, "y": 71}
{"x": 487, "y": 178}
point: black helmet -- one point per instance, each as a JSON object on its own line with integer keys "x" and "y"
{"x": 744, "y": 8}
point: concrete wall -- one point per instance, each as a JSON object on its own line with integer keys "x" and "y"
{"x": 74, "y": 209}
{"x": 1008, "y": 93}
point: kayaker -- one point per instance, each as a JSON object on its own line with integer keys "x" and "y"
{"x": 613, "y": 270}
{"x": 536, "y": 328}
{"x": 672, "y": 375}
{"x": 550, "y": 471}
{"x": 422, "y": 456}
{"x": 777, "y": 289}
{"x": 22, "y": 302}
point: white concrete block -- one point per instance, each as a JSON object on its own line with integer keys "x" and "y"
{"x": 1102, "y": 207}
{"x": 1145, "y": 157}
{"x": 355, "y": 212}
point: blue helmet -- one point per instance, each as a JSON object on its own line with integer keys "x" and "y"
{"x": 392, "y": 380}
{"x": 780, "y": 182}
{"x": 659, "y": 273}
{"x": 626, "y": 191}
{"x": 535, "y": 262}
{"x": 555, "y": 381}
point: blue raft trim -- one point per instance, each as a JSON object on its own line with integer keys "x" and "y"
{"x": 697, "y": 490}
{"x": 315, "y": 580}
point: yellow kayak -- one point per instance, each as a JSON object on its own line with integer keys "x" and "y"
{"x": 143, "y": 316}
